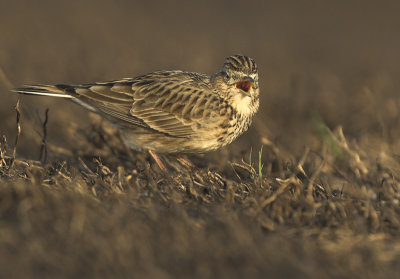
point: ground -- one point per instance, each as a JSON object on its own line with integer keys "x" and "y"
{"x": 310, "y": 191}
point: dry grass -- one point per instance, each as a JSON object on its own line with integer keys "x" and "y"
{"x": 107, "y": 211}
{"x": 320, "y": 201}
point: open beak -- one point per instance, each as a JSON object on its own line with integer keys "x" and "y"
{"x": 245, "y": 85}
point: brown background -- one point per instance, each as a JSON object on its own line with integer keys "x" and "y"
{"x": 332, "y": 62}
{"x": 339, "y": 58}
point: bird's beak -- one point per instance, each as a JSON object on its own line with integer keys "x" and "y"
{"x": 246, "y": 85}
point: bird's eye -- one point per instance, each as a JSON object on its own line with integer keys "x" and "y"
{"x": 227, "y": 76}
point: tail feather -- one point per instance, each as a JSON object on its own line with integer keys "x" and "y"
{"x": 60, "y": 91}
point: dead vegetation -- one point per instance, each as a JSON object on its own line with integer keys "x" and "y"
{"x": 320, "y": 200}
{"x": 108, "y": 211}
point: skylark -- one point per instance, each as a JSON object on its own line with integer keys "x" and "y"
{"x": 172, "y": 111}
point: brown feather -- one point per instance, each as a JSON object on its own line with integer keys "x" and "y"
{"x": 172, "y": 111}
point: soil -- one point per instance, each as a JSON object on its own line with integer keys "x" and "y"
{"x": 310, "y": 191}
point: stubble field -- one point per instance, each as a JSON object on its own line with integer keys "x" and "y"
{"x": 310, "y": 191}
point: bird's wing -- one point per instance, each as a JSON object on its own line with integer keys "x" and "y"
{"x": 169, "y": 102}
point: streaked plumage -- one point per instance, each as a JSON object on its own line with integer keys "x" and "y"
{"x": 172, "y": 111}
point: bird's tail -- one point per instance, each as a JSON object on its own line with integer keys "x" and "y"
{"x": 59, "y": 90}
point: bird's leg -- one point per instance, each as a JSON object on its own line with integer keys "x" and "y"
{"x": 184, "y": 161}
{"x": 158, "y": 161}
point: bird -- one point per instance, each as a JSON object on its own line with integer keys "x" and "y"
{"x": 171, "y": 111}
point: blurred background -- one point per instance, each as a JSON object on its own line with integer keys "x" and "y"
{"x": 335, "y": 61}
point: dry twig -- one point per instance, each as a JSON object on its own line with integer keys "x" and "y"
{"x": 17, "y": 109}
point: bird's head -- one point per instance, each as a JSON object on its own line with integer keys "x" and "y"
{"x": 237, "y": 82}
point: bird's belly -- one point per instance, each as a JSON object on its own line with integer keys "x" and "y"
{"x": 166, "y": 144}
{"x": 205, "y": 138}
